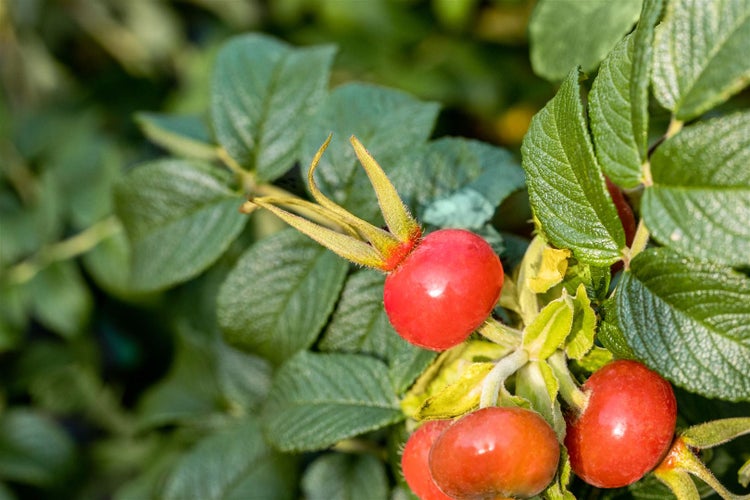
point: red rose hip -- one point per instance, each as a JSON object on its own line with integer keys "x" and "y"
{"x": 414, "y": 460}
{"x": 495, "y": 452}
{"x": 444, "y": 289}
{"x": 626, "y": 426}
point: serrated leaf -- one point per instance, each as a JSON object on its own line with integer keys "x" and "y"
{"x": 233, "y": 463}
{"x": 609, "y": 333}
{"x": 279, "y": 295}
{"x": 262, "y": 96}
{"x": 339, "y": 476}
{"x": 360, "y": 324}
{"x": 180, "y": 216}
{"x": 182, "y": 135}
{"x": 618, "y": 150}
{"x": 549, "y": 329}
{"x": 564, "y": 178}
{"x": 690, "y": 321}
{"x": 34, "y": 449}
{"x": 319, "y": 399}
{"x": 700, "y": 55}
{"x": 391, "y": 124}
{"x": 699, "y": 204}
{"x": 558, "y": 42}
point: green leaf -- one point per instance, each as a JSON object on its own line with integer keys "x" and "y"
{"x": 61, "y": 299}
{"x": 263, "y": 94}
{"x": 180, "y": 216}
{"x": 699, "y": 204}
{"x": 716, "y": 432}
{"x": 391, "y": 124}
{"x": 690, "y": 321}
{"x": 582, "y": 332}
{"x": 549, "y": 329}
{"x": 609, "y": 333}
{"x": 232, "y": 464}
{"x": 618, "y": 150}
{"x": 536, "y": 382}
{"x": 319, "y": 399}
{"x": 181, "y": 135}
{"x": 567, "y": 190}
{"x": 109, "y": 262}
{"x": 243, "y": 378}
{"x": 700, "y": 55}
{"x": 279, "y": 296}
{"x": 338, "y": 476}
{"x": 568, "y": 33}
{"x": 34, "y": 449}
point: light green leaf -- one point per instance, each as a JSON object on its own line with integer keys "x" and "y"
{"x": 569, "y": 33}
{"x": 360, "y": 324}
{"x": 181, "y": 135}
{"x": 715, "y": 432}
{"x": 280, "y": 294}
{"x": 339, "y": 476}
{"x": 536, "y": 383}
{"x": 263, "y": 94}
{"x": 61, "y": 299}
{"x": 319, "y": 399}
{"x": 34, "y": 449}
{"x": 549, "y": 329}
{"x": 700, "y": 55}
{"x": 232, "y": 464}
{"x": 582, "y": 332}
{"x": 564, "y": 178}
{"x": 699, "y": 204}
{"x": 390, "y": 124}
{"x": 180, "y": 216}
{"x": 690, "y": 321}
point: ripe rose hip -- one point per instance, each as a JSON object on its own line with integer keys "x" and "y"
{"x": 444, "y": 289}
{"x": 414, "y": 460}
{"x": 495, "y": 453}
{"x": 626, "y": 426}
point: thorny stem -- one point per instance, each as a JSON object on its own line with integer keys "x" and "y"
{"x": 495, "y": 379}
{"x": 63, "y": 250}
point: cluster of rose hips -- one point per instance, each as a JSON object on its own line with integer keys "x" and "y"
{"x": 623, "y": 432}
{"x": 439, "y": 289}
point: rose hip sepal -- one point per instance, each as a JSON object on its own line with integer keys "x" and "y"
{"x": 444, "y": 289}
{"x": 626, "y": 426}
{"x": 414, "y": 460}
{"x": 495, "y": 452}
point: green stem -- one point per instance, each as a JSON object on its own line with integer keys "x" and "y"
{"x": 63, "y": 250}
{"x": 569, "y": 390}
{"x": 675, "y": 126}
{"x": 495, "y": 380}
{"x": 640, "y": 241}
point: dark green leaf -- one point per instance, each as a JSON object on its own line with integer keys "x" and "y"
{"x": 609, "y": 333}
{"x": 699, "y": 204}
{"x": 700, "y": 55}
{"x": 690, "y": 321}
{"x": 182, "y": 135}
{"x": 389, "y": 123}
{"x": 34, "y": 449}
{"x": 243, "y": 378}
{"x": 60, "y": 298}
{"x": 569, "y": 33}
{"x": 567, "y": 191}
{"x": 232, "y": 464}
{"x": 319, "y": 399}
{"x": 337, "y": 476}
{"x": 180, "y": 217}
{"x": 109, "y": 262}
{"x": 278, "y": 297}
{"x": 262, "y": 96}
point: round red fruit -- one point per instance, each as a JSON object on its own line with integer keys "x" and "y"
{"x": 626, "y": 426}
{"x": 414, "y": 464}
{"x": 444, "y": 289}
{"x": 495, "y": 452}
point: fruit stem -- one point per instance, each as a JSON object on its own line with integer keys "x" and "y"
{"x": 681, "y": 459}
{"x": 495, "y": 379}
{"x": 569, "y": 390}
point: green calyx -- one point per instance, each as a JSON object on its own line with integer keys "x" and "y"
{"x": 341, "y": 231}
